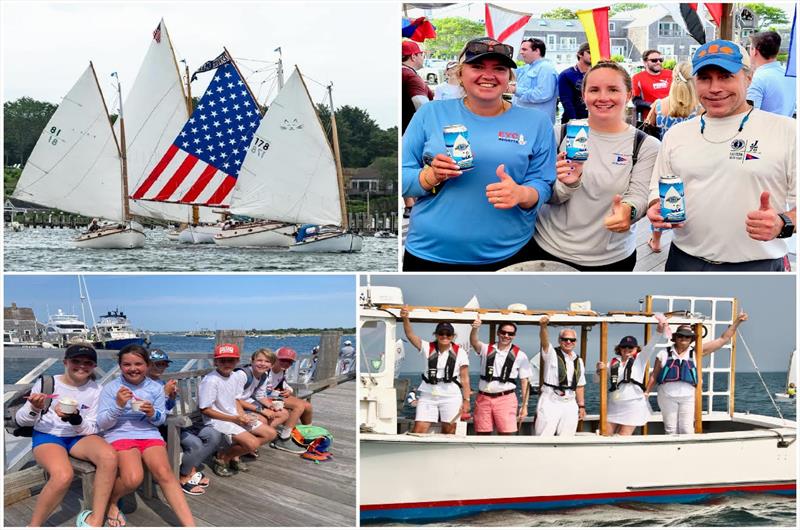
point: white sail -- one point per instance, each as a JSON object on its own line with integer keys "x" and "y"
{"x": 289, "y": 173}
{"x": 75, "y": 165}
{"x": 155, "y": 112}
{"x": 791, "y": 376}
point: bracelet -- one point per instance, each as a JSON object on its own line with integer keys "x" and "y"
{"x": 581, "y": 406}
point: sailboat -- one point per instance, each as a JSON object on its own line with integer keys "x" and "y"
{"x": 156, "y": 108}
{"x": 791, "y": 379}
{"x": 291, "y": 175}
{"x": 78, "y": 166}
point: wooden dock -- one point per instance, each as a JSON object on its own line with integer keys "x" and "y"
{"x": 280, "y": 489}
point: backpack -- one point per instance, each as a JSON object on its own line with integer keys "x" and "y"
{"x": 248, "y": 371}
{"x": 10, "y": 415}
{"x": 316, "y": 440}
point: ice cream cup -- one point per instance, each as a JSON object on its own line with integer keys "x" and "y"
{"x": 277, "y": 404}
{"x": 136, "y": 404}
{"x": 68, "y": 405}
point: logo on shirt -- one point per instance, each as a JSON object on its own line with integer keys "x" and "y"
{"x": 512, "y": 137}
{"x": 84, "y": 407}
{"x": 620, "y": 160}
{"x": 744, "y": 150}
{"x": 660, "y": 85}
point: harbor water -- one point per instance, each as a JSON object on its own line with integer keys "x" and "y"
{"x": 52, "y": 250}
{"x": 733, "y": 510}
{"x": 302, "y": 344}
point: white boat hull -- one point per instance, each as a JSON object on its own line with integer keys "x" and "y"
{"x": 261, "y": 234}
{"x": 476, "y": 474}
{"x": 783, "y": 397}
{"x": 199, "y": 235}
{"x": 130, "y": 236}
{"x": 329, "y": 242}
{"x": 172, "y": 235}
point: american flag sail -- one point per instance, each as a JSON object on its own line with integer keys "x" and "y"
{"x": 202, "y": 164}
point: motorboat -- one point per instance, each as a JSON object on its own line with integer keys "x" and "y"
{"x": 115, "y": 332}
{"x": 729, "y": 452}
{"x": 63, "y": 329}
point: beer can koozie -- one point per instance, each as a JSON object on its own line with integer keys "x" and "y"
{"x": 673, "y": 205}
{"x": 577, "y": 140}
{"x": 456, "y": 140}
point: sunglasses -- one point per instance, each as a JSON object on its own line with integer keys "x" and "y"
{"x": 444, "y": 334}
{"x": 479, "y": 48}
{"x": 506, "y": 333}
{"x": 285, "y": 361}
{"x": 161, "y": 364}
{"x": 567, "y": 339}
{"x": 656, "y": 60}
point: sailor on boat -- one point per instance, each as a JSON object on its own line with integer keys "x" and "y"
{"x": 444, "y": 391}
{"x": 502, "y": 363}
{"x": 627, "y": 404}
{"x": 792, "y": 390}
{"x": 561, "y": 402}
{"x": 675, "y": 373}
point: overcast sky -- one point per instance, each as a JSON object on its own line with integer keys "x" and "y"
{"x": 47, "y": 45}
{"x": 769, "y": 301}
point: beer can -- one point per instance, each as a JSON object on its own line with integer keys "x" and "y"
{"x": 577, "y": 140}
{"x": 673, "y": 204}
{"x": 456, "y": 141}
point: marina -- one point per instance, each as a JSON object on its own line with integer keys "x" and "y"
{"x": 557, "y": 473}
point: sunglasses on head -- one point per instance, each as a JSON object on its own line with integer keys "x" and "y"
{"x": 479, "y": 48}
{"x": 567, "y": 339}
{"x": 506, "y": 333}
{"x": 656, "y": 60}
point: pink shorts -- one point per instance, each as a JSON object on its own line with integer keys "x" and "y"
{"x": 141, "y": 445}
{"x": 500, "y": 412}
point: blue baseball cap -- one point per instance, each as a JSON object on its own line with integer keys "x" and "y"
{"x": 157, "y": 354}
{"x": 723, "y": 53}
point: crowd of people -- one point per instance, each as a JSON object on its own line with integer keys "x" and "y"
{"x": 505, "y": 370}
{"x": 119, "y": 427}
{"x": 722, "y": 122}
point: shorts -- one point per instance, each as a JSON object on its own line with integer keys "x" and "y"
{"x": 67, "y": 442}
{"x": 141, "y": 445}
{"x": 499, "y": 412}
{"x": 432, "y": 408}
{"x": 228, "y": 427}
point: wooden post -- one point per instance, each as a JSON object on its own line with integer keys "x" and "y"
{"x": 328, "y": 355}
{"x": 603, "y": 377}
{"x": 698, "y": 391}
{"x": 232, "y": 336}
{"x": 726, "y": 22}
{"x": 732, "y": 381}
{"x": 584, "y": 340}
{"x": 648, "y": 308}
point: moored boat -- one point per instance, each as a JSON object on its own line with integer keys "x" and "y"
{"x": 729, "y": 452}
{"x": 114, "y": 331}
{"x": 62, "y": 329}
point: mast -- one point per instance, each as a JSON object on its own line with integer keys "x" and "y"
{"x": 126, "y": 212}
{"x": 190, "y": 108}
{"x": 338, "y": 159}
{"x": 280, "y": 68}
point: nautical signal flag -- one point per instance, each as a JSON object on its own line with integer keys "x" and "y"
{"x": 203, "y": 162}
{"x": 791, "y": 60}
{"x": 595, "y": 25}
{"x": 692, "y": 17}
{"x": 505, "y": 25}
{"x": 418, "y": 29}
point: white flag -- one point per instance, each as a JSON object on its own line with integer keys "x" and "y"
{"x": 505, "y": 25}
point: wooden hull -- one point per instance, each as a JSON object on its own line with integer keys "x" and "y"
{"x": 129, "y": 236}
{"x": 261, "y": 234}
{"x": 330, "y": 242}
{"x": 199, "y": 235}
{"x": 476, "y": 474}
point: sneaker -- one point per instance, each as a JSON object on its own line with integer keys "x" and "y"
{"x": 238, "y": 465}
{"x": 287, "y": 445}
{"x": 220, "y": 468}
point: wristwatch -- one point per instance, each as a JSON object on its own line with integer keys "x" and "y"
{"x": 788, "y": 226}
{"x": 633, "y": 209}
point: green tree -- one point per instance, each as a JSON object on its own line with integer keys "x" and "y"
{"x": 451, "y": 35}
{"x": 768, "y": 15}
{"x": 10, "y": 178}
{"x": 361, "y": 140}
{"x": 24, "y": 120}
{"x": 626, "y": 6}
{"x": 618, "y": 58}
{"x": 560, "y": 13}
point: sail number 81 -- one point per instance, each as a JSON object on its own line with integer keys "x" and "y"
{"x": 54, "y": 132}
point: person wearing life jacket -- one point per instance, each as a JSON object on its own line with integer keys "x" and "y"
{"x": 502, "y": 364}
{"x": 791, "y": 390}
{"x": 561, "y": 402}
{"x": 444, "y": 391}
{"x": 627, "y": 405}
{"x": 675, "y": 373}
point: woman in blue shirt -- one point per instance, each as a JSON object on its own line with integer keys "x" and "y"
{"x": 480, "y": 219}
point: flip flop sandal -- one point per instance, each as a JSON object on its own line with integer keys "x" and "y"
{"x": 119, "y": 519}
{"x": 650, "y": 244}
{"x": 189, "y": 488}
{"x": 198, "y": 477}
{"x": 81, "y": 519}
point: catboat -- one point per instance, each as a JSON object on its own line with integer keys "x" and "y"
{"x": 551, "y": 472}
{"x": 791, "y": 377}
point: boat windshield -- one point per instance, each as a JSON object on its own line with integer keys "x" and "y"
{"x": 373, "y": 345}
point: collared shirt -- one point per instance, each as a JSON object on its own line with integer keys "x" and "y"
{"x": 537, "y": 87}
{"x": 772, "y": 91}
{"x": 550, "y": 360}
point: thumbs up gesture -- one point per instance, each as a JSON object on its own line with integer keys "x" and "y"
{"x": 763, "y": 224}
{"x": 507, "y": 194}
{"x": 620, "y": 218}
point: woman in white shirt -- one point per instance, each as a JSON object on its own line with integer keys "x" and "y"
{"x": 451, "y": 88}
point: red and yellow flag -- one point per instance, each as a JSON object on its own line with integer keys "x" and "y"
{"x": 595, "y": 25}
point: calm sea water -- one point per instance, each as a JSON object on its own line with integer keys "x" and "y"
{"x": 734, "y": 510}
{"x": 16, "y": 368}
{"x": 51, "y": 249}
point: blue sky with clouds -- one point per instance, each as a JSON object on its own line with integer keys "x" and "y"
{"x": 189, "y": 301}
